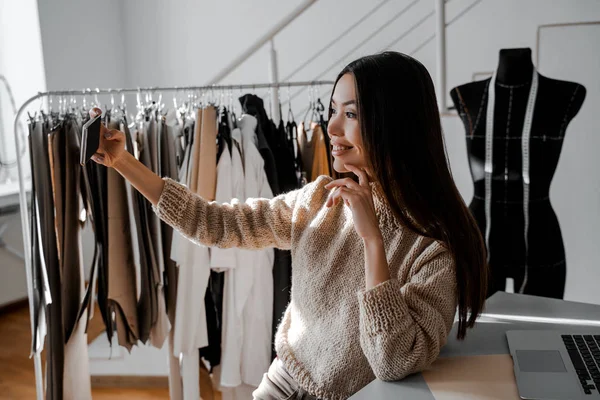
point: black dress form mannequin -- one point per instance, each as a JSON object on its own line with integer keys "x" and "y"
{"x": 557, "y": 102}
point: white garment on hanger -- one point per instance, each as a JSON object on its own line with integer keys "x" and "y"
{"x": 231, "y": 337}
{"x": 190, "y": 315}
{"x": 223, "y": 259}
{"x": 248, "y": 294}
{"x": 190, "y": 330}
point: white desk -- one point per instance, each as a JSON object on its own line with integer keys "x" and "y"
{"x": 488, "y": 337}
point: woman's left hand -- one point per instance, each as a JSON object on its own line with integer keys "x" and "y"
{"x": 358, "y": 197}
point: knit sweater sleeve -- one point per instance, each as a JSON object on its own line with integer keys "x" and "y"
{"x": 254, "y": 224}
{"x": 404, "y": 326}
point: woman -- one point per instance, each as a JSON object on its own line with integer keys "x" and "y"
{"x": 380, "y": 263}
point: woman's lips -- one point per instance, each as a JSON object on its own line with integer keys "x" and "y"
{"x": 338, "y": 150}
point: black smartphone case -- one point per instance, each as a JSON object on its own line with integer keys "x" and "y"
{"x": 90, "y": 140}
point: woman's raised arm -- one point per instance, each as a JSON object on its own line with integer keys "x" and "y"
{"x": 254, "y": 224}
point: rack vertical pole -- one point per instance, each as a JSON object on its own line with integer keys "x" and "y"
{"x": 273, "y": 71}
{"x": 37, "y": 360}
{"x": 441, "y": 53}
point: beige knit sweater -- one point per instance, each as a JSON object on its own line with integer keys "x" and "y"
{"x": 335, "y": 337}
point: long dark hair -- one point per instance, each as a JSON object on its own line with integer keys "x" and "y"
{"x": 402, "y": 136}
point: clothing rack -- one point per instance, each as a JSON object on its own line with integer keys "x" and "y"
{"x": 23, "y": 190}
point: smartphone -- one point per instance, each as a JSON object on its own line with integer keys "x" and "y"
{"x": 90, "y": 139}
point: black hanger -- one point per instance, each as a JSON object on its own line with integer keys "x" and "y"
{"x": 308, "y": 111}
{"x": 318, "y": 110}
{"x": 290, "y": 116}
{"x": 224, "y": 134}
{"x": 233, "y": 118}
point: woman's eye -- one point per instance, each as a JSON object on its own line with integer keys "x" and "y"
{"x": 332, "y": 111}
{"x": 350, "y": 114}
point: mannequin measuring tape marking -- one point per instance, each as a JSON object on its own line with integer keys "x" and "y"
{"x": 489, "y": 147}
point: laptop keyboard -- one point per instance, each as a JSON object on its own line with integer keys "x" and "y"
{"x": 585, "y": 355}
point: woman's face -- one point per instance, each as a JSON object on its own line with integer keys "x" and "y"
{"x": 344, "y": 128}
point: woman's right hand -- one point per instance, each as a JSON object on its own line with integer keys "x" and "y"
{"x": 112, "y": 144}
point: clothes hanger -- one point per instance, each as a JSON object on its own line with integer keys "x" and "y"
{"x": 318, "y": 110}
{"x": 224, "y": 133}
{"x": 53, "y": 113}
{"x": 290, "y": 115}
{"x": 239, "y": 95}
{"x": 96, "y": 101}
{"x": 84, "y": 101}
{"x": 279, "y": 106}
{"x": 115, "y": 110}
{"x": 123, "y": 107}
{"x": 232, "y": 115}
{"x": 269, "y": 111}
{"x": 112, "y": 100}
{"x": 159, "y": 104}
{"x": 138, "y": 100}
{"x": 291, "y": 129}
{"x": 310, "y": 108}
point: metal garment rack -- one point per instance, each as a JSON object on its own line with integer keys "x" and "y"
{"x": 23, "y": 190}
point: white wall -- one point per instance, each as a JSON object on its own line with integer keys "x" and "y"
{"x": 185, "y": 42}
{"x": 22, "y": 64}
{"x": 83, "y": 43}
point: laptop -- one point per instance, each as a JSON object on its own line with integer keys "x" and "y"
{"x": 550, "y": 365}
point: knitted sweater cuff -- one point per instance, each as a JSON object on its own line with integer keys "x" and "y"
{"x": 382, "y": 307}
{"x": 172, "y": 202}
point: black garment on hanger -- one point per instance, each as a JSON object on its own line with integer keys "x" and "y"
{"x": 89, "y": 188}
{"x": 282, "y": 269}
{"x": 212, "y": 352}
{"x": 147, "y": 291}
{"x": 292, "y": 141}
{"x": 100, "y": 190}
{"x": 253, "y": 105}
{"x": 290, "y": 135}
{"x": 224, "y": 133}
{"x": 70, "y": 249}
{"x": 284, "y": 159}
{"x": 282, "y": 286}
{"x": 36, "y": 262}
{"x": 213, "y": 302}
{"x": 45, "y": 205}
